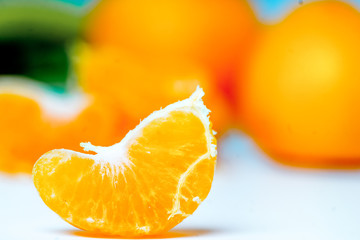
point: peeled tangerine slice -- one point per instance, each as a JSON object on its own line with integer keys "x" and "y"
{"x": 144, "y": 185}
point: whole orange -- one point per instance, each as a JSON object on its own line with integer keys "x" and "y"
{"x": 301, "y": 99}
{"x": 214, "y": 33}
{"x": 138, "y": 85}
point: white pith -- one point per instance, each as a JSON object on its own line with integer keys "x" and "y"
{"x": 197, "y": 200}
{"x": 117, "y": 153}
{"x": 54, "y": 106}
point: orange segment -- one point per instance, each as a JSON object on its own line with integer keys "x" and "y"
{"x": 145, "y": 184}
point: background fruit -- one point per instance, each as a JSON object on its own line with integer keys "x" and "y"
{"x": 139, "y": 85}
{"x": 21, "y": 142}
{"x": 35, "y": 120}
{"x": 207, "y": 31}
{"x": 300, "y": 100}
{"x": 100, "y": 123}
{"x": 215, "y": 34}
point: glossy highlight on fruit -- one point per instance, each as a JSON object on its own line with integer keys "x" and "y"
{"x": 144, "y": 185}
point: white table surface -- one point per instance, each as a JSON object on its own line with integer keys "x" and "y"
{"x": 252, "y": 198}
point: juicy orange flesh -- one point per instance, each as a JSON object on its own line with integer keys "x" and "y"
{"x": 150, "y": 194}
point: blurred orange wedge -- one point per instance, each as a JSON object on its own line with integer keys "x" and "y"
{"x": 144, "y": 185}
{"x": 35, "y": 120}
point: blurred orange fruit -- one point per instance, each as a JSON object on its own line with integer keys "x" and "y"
{"x": 210, "y": 32}
{"x": 138, "y": 85}
{"x": 35, "y": 120}
{"x": 144, "y": 185}
{"x": 216, "y": 34}
{"x": 300, "y": 100}
{"x": 21, "y": 133}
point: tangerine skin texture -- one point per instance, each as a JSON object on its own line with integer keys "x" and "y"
{"x": 157, "y": 179}
{"x": 300, "y": 100}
